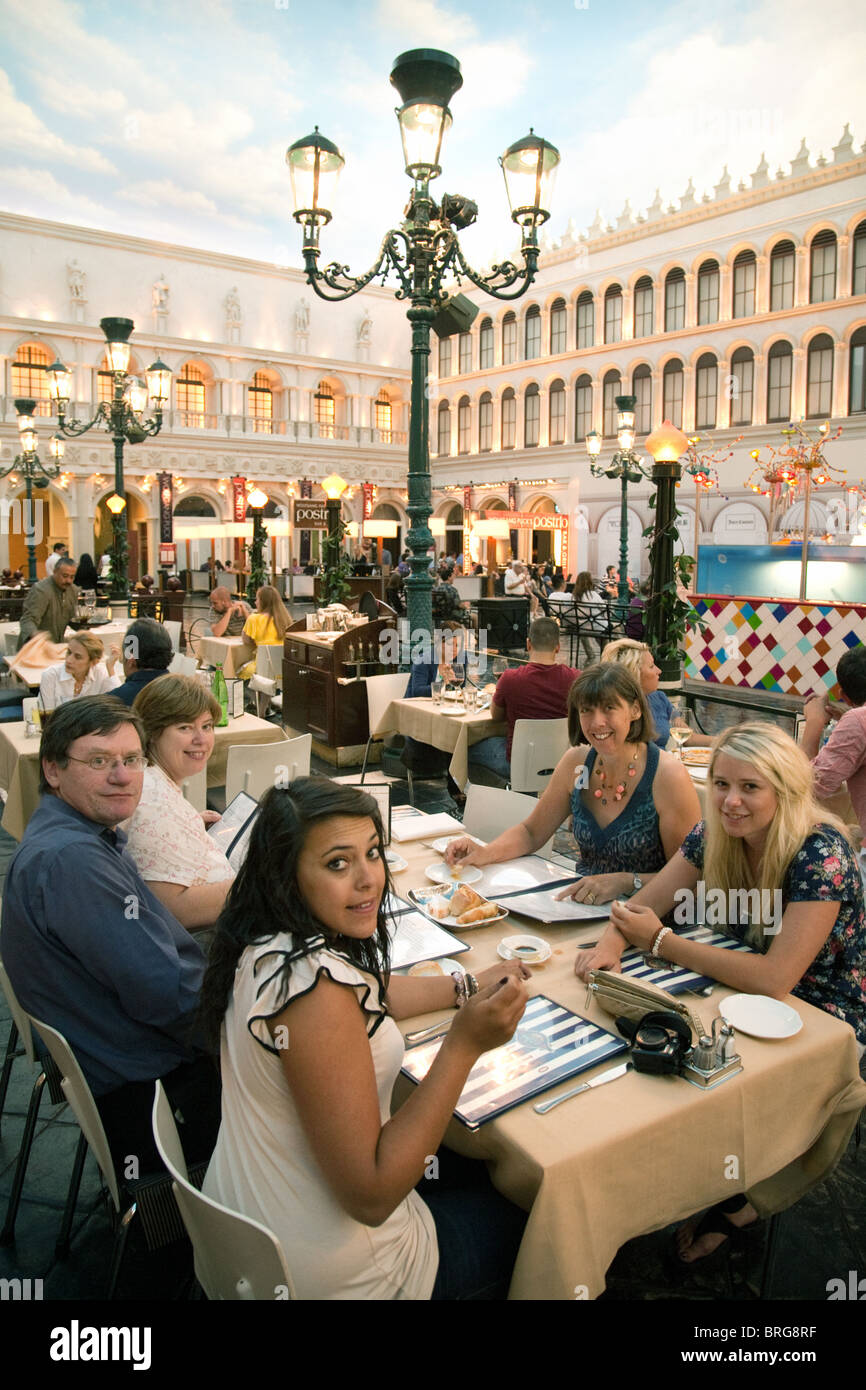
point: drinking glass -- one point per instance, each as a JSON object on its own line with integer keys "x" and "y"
{"x": 470, "y": 695}
{"x": 682, "y": 729}
{"x": 436, "y": 691}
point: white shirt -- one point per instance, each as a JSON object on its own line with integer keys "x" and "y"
{"x": 167, "y": 838}
{"x": 57, "y": 687}
{"x": 52, "y": 561}
{"x": 263, "y": 1165}
{"x": 515, "y": 583}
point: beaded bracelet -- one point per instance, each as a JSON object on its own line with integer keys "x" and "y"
{"x": 654, "y": 949}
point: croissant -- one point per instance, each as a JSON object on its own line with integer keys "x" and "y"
{"x": 478, "y": 914}
{"x": 464, "y": 899}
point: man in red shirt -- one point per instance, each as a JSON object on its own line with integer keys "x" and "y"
{"x": 538, "y": 690}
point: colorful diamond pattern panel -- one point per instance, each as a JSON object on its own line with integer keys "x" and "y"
{"x": 791, "y": 648}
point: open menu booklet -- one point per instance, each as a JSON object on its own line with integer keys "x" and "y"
{"x": 529, "y": 887}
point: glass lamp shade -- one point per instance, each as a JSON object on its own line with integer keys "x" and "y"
{"x": 593, "y": 444}
{"x": 136, "y": 395}
{"x": 27, "y": 437}
{"x": 667, "y": 444}
{"x": 625, "y": 420}
{"x": 57, "y": 448}
{"x": 158, "y": 382}
{"x": 426, "y": 79}
{"x": 314, "y": 166}
{"x": 334, "y": 486}
{"x": 257, "y": 498}
{"x": 115, "y": 504}
{"x": 59, "y": 382}
{"x": 117, "y": 332}
{"x": 529, "y": 167}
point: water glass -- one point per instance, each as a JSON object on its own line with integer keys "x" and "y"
{"x": 436, "y": 691}
{"x": 470, "y": 696}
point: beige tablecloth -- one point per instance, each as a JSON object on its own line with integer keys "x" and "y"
{"x": 455, "y": 733}
{"x": 231, "y": 652}
{"x": 19, "y": 764}
{"x": 645, "y": 1151}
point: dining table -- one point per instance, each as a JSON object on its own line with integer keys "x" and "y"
{"x": 448, "y": 726}
{"x": 645, "y": 1151}
{"x": 19, "y": 763}
{"x": 232, "y": 653}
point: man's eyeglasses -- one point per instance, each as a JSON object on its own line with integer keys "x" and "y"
{"x": 102, "y": 762}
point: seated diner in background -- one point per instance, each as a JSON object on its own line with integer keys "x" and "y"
{"x": 766, "y": 839}
{"x": 227, "y": 615}
{"x": 631, "y": 805}
{"x": 267, "y": 626}
{"x": 166, "y": 835}
{"x": 82, "y": 673}
{"x": 422, "y": 759}
{"x": 843, "y": 757}
{"x": 307, "y": 1144}
{"x": 637, "y": 658}
{"x": 147, "y": 654}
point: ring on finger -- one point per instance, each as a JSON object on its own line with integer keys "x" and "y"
{"x": 590, "y": 898}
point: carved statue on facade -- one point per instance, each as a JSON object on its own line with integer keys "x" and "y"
{"x": 160, "y": 295}
{"x": 233, "y": 306}
{"x": 76, "y": 278}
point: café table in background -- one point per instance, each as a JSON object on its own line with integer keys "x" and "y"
{"x": 645, "y": 1151}
{"x": 230, "y": 652}
{"x": 453, "y": 732}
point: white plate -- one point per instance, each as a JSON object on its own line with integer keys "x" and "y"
{"x": 420, "y": 897}
{"x": 532, "y": 950}
{"x": 448, "y": 967}
{"x": 760, "y": 1016}
{"x": 458, "y": 873}
{"x": 455, "y": 713}
{"x": 441, "y": 845}
{"x": 395, "y": 863}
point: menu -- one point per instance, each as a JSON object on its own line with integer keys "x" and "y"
{"x": 676, "y": 979}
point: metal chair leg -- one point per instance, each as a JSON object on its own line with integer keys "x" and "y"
{"x": 61, "y": 1249}
{"x": 119, "y": 1250}
{"x": 366, "y": 755}
{"x": 411, "y": 789}
{"x": 12, "y": 1051}
{"x": 770, "y": 1256}
{"x": 7, "y": 1235}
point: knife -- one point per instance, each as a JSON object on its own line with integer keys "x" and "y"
{"x": 610, "y": 1075}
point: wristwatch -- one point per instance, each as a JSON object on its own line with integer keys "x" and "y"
{"x": 638, "y": 884}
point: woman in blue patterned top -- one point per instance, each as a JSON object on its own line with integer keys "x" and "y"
{"x": 764, "y": 833}
{"x": 631, "y": 805}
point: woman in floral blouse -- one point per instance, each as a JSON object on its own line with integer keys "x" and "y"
{"x": 763, "y": 832}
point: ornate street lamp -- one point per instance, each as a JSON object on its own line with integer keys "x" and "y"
{"x": 35, "y": 472}
{"x": 667, "y": 444}
{"x": 257, "y": 500}
{"x": 422, "y": 251}
{"x": 121, "y": 416}
{"x": 334, "y": 586}
{"x": 625, "y": 465}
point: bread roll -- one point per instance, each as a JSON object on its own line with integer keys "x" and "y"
{"x": 478, "y": 914}
{"x": 464, "y": 899}
{"x": 426, "y": 967}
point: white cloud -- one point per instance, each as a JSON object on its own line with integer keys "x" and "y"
{"x": 24, "y": 131}
{"x": 37, "y": 193}
{"x": 424, "y": 23}
{"x": 81, "y": 99}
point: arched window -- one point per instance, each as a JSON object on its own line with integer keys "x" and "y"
{"x": 443, "y": 431}
{"x": 582, "y": 407}
{"x": 708, "y": 292}
{"x": 672, "y": 393}
{"x": 383, "y": 416}
{"x": 642, "y": 390}
{"x": 509, "y": 418}
{"x": 643, "y": 307}
{"x": 558, "y": 327}
{"x": 675, "y": 300}
{"x": 585, "y": 320}
{"x": 706, "y": 391}
{"x": 858, "y": 261}
{"x": 531, "y": 416}
{"x": 464, "y": 425}
{"x": 822, "y": 284}
{"x": 485, "y": 423}
{"x": 556, "y": 433}
{"x": 509, "y": 338}
{"x": 465, "y": 353}
{"x": 782, "y": 276}
{"x": 613, "y": 314}
{"x": 444, "y": 357}
{"x": 105, "y": 382}
{"x": 190, "y": 398}
{"x": 485, "y": 344}
{"x": 857, "y": 374}
{"x": 261, "y": 403}
{"x": 30, "y": 376}
{"x": 780, "y": 360}
{"x": 325, "y": 410}
{"x": 741, "y": 385}
{"x": 611, "y": 388}
{"x": 745, "y": 272}
{"x": 532, "y": 333}
{"x": 819, "y": 376}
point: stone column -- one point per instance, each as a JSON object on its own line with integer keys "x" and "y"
{"x": 725, "y": 300}
{"x": 843, "y": 266}
{"x": 627, "y": 314}
{"x": 543, "y": 417}
{"x": 839, "y": 397}
{"x": 691, "y": 299}
{"x": 659, "y": 306}
{"x": 688, "y": 424}
{"x": 798, "y": 384}
{"x": 762, "y": 285}
{"x": 759, "y": 390}
{"x": 801, "y": 276}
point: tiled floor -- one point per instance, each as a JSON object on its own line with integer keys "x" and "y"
{"x": 822, "y": 1238}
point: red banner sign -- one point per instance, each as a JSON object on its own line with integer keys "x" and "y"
{"x": 239, "y": 499}
{"x": 166, "y": 506}
{"x": 530, "y": 521}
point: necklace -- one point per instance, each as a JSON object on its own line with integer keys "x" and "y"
{"x": 620, "y": 790}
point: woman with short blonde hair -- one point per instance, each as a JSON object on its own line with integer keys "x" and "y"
{"x": 82, "y": 673}
{"x": 637, "y": 658}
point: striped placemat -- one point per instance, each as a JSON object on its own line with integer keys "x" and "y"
{"x": 676, "y": 979}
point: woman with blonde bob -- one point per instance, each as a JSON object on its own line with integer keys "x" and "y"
{"x": 167, "y": 837}
{"x": 637, "y": 658}
{"x": 803, "y": 913}
{"x": 630, "y": 805}
{"x": 82, "y": 673}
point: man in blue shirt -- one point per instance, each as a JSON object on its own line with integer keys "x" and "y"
{"x": 147, "y": 654}
{"x": 92, "y": 952}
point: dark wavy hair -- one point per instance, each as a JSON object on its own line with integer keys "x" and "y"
{"x": 265, "y": 898}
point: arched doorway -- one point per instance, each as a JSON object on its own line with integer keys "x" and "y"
{"x": 138, "y": 556}
{"x": 386, "y": 512}
{"x": 454, "y": 530}
{"x": 542, "y": 540}
{"x": 50, "y": 524}
{"x": 198, "y": 551}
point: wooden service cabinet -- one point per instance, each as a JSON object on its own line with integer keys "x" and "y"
{"x": 324, "y": 690}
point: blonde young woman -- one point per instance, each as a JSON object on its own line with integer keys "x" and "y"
{"x": 267, "y": 626}
{"x": 763, "y": 830}
{"x": 84, "y": 672}
{"x": 637, "y": 658}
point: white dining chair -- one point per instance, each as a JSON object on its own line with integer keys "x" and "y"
{"x": 536, "y": 748}
{"x": 490, "y": 810}
{"x": 381, "y": 692}
{"x": 256, "y": 767}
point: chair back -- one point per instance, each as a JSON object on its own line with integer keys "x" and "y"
{"x": 81, "y": 1102}
{"x": 490, "y": 810}
{"x": 253, "y": 767}
{"x": 28, "y": 705}
{"x": 173, "y": 628}
{"x": 536, "y": 748}
{"x": 368, "y": 606}
{"x": 195, "y": 790}
{"x": 236, "y": 1258}
{"x": 19, "y": 1017}
{"x": 381, "y": 690}
{"x": 593, "y": 618}
{"x": 269, "y": 662}
{"x": 182, "y": 665}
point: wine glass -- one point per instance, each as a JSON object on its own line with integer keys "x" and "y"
{"x": 500, "y": 665}
{"x": 682, "y": 727}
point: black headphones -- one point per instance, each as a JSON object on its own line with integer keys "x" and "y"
{"x": 659, "y": 1042}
